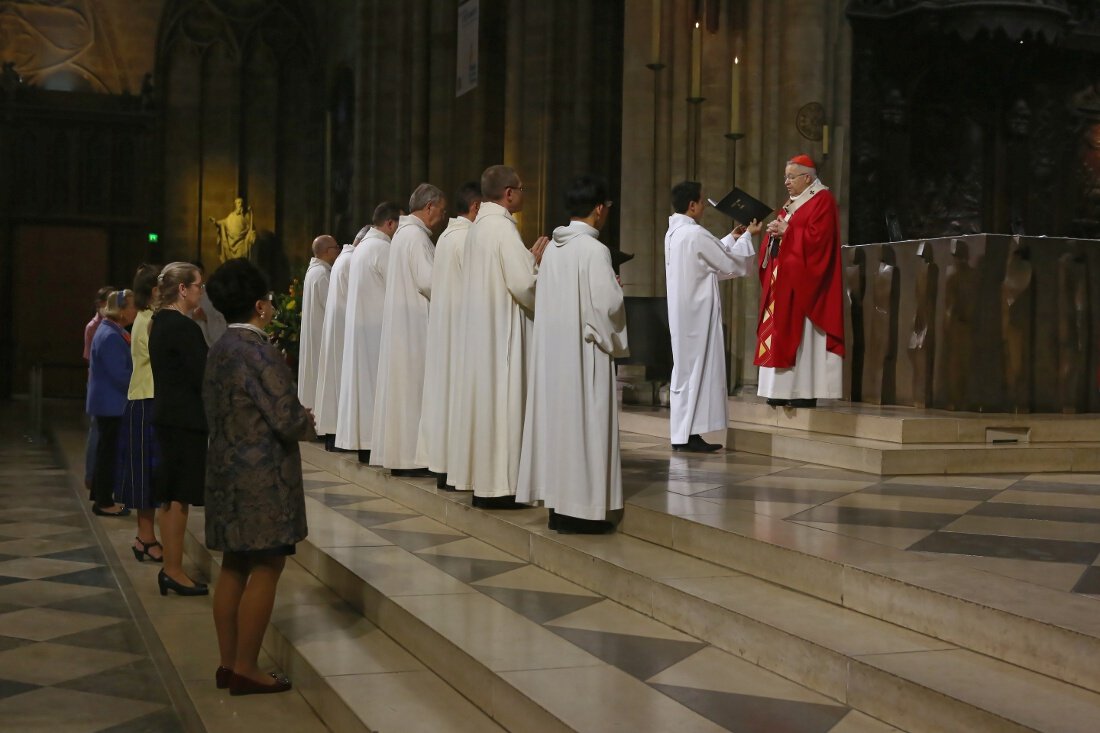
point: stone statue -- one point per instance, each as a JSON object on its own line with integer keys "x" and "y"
{"x": 883, "y": 349}
{"x": 922, "y": 338}
{"x": 853, "y": 286}
{"x": 958, "y": 311}
{"x": 236, "y": 235}
{"x": 1073, "y": 329}
{"x": 1016, "y": 309}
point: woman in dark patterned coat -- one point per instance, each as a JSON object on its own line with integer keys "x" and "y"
{"x": 255, "y": 502}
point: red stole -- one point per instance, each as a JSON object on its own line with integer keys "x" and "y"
{"x": 803, "y": 281}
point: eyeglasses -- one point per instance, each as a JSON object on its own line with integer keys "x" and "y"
{"x": 516, "y": 188}
{"x": 200, "y": 286}
{"x": 796, "y": 175}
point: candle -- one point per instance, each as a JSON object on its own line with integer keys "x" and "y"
{"x": 735, "y": 96}
{"x": 655, "y": 31}
{"x": 696, "y": 62}
{"x": 824, "y": 140}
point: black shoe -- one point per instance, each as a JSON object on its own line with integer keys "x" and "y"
{"x": 552, "y": 520}
{"x": 330, "y": 442}
{"x": 696, "y": 444}
{"x": 804, "y": 403}
{"x": 143, "y": 553}
{"x": 411, "y": 472}
{"x": 364, "y": 456}
{"x": 778, "y": 403}
{"x": 166, "y": 584}
{"x": 564, "y": 524}
{"x": 441, "y": 482}
{"x": 101, "y": 512}
{"x": 497, "y": 502}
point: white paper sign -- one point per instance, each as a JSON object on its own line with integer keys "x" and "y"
{"x": 466, "y": 66}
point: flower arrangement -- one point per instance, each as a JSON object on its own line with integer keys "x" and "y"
{"x": 286, "y": 327}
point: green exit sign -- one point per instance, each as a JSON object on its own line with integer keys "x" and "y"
{"x": 153, "y": 237}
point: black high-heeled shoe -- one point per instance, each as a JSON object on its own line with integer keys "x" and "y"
{"x": 166, "y": 584}
{"x": 143, "y": 553}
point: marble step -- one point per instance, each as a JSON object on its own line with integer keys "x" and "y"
{"x": 886, "y": 457}
{"x": 896, "y": 424}
{"x": 355, "y": 677}
{"x": 914, "y": 680}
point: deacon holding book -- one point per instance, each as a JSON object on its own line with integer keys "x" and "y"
{"x": 695, "y": 260}
{"x": 800, "y": 334}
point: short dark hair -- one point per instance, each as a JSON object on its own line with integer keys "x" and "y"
{"x": 583, "y": 194}
{"x": 683, "y": 193}
{"x": 496, "y": 180}
{"x": 234, "y": 289}
{"x": 145, "y": 281}
{"x": 466, "y": 196}
{"x": 386, "y": 211}
{"x": 101, "y": 295}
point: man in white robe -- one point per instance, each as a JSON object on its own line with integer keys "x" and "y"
{"x": 326, "y": 403}
{"x": 314, "y": 296}
{"x": 363, "y": 332}
{"x": 485, "y": 427}
{"x": 695, "y": 260}
{"x": 397, "y": 396}
{"x": 445, "y": 328}
{"x": 570, "y": 456}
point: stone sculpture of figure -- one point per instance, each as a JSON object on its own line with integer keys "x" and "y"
{"x": 922, "y": 338}
{"x": 1073, "y": 329}
{"x": 883, "y": 349}
{"x": 958, "y": 302}
{"x": 1016, "y": 317}
{"x": 236, "y": 234}
{"x": 853, "y": 287}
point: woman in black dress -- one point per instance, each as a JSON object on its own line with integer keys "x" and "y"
{"x": 177, "y": 354}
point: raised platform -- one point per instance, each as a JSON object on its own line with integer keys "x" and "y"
{"x": 870, "y": 622}
{"x": 901, "y": 440}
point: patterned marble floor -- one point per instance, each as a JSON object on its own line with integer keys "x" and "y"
{"x": 554, "y": 637}
{"x": 1040, "y": 528}
{"x": 72, "y": 660}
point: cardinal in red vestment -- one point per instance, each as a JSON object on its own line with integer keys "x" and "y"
{"x": 800, "y": 332}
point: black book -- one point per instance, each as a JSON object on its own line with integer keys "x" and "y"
{"x": 742, "y": 208}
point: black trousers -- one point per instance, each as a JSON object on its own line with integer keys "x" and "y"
{"x": 106, "y": 460}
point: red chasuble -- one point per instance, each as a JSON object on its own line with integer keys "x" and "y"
{"x": 803, "y": 281}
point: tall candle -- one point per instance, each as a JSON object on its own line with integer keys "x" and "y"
{"x": 696, "y": 62}
{"x": 825, "y": 140}
{"x": 655, "y": 34}
{"x": 735, "y": 96}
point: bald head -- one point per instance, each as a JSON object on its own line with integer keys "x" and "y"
{"x": 325, "y": 248}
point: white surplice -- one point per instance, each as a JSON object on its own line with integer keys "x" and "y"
{"x": 570, "y": 456}
{"x": 397, "y": 396}
{"x": 445, "y": 328}
{"x": 362, "y": 340}
{"x": 326, "y": 403}
{"x": 695, "y": 260}
{"x": 485, "y": 428}
{"x": 314, "y": 297}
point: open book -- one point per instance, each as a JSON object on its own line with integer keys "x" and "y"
{"x": 741, "y": 207}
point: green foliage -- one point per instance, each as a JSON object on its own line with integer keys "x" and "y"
{"x": 285, "y": 328}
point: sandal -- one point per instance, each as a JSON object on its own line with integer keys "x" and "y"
{"x": 143, "y": 553}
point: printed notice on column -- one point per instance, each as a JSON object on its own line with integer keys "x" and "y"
{"x": 467, "y": 47}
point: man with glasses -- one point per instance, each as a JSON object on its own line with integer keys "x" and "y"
{"x": 695, "y": 260}
{"x": 314, "y": 295}
{"x": 498, "y": 292}
{"x": 800, "y": 333}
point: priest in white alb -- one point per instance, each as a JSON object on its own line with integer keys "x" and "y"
{"x": 363, "y": 332}
{"x": 445, "y": 328}
{"x": 326, "y": 403}
{"x": 570, "y": 456}
{"x": 397, "y": 396}
{"x": 695, "y": 261}
{"x": 314, "y": 295}
{"x": 485, "y": 427}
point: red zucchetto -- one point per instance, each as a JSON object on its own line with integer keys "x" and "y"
{"x": 803, "y": 160}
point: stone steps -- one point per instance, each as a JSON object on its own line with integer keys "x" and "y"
{"x": 799, "y": 439}
{"x": 892, "y": 649}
